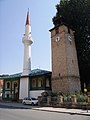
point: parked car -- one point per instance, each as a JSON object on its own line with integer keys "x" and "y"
{"x": 31, "y": 101}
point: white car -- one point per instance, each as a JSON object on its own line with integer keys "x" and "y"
{"x": 31, "y": 101}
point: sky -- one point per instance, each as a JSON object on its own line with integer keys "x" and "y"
{"x": 12, "y": 27}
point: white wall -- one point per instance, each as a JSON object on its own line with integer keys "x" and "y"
{"x": 23, "y": 90}
{"x": 36, "y": 93}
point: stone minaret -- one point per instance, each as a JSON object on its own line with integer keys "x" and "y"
{"x": 65, "y": 71}
{"x": 24, "y": 80}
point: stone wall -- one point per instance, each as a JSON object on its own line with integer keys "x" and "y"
{"x": 66, "y": 84}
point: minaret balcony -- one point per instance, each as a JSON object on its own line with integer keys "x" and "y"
{"x": 27, "y": 40}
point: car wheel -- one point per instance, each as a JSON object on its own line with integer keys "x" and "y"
{"x": 32, "y": 104}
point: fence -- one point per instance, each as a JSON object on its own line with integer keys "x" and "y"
{"x": 61, "y": 101}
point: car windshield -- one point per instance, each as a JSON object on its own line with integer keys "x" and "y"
{"x": 34, "y": 99}
{"x": 25, "y": 98}
{"x": 30, "y": 99}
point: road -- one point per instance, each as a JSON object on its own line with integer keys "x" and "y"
{"x": 29, "y": 114}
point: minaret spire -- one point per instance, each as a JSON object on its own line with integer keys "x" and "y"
{"x": 28, "y": 18}
{"x": 28, "y": 26}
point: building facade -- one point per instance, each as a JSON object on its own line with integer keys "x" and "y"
{"x": 39, "y": 82}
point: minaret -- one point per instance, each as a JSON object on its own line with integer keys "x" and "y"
{"x": 24, "y": 90}
{"x": 27, "y": 41}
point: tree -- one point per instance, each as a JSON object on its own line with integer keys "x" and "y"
{"x": 76, "y": 14}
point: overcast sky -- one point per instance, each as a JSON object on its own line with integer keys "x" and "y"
{"x": 12, "y": 27}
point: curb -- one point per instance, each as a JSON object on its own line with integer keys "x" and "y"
{"x": 72, "y": 113}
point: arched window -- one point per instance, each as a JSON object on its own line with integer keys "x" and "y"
{"x": 8, "y": 85}
{"x": 47, "y": 83}
{"x": 40, "y": 83}
{"x": 15, "y": 84}
{"x": 33, "y": 83}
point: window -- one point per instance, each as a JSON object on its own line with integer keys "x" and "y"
{"x": 34, "y": 99}
{"x": 47, "y": 82}
{"x": 7, "y": 95}
{"x": 15, "y": 84}
{"x": 40, "y": 83}
{"x": 8, "y": 85}
{"x": 33, "y": 83}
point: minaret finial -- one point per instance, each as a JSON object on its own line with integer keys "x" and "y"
{"x": 28, "y": 18}
{"x": 28, "y": 9}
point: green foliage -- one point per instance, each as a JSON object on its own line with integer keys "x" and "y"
{"x": 67, "y": 98}
{"x": 76, "y": 14}
{"x": 88, "y": 93}
{"x": 81, "y": 98}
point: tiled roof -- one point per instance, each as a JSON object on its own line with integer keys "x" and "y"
{"x": 11, "y": 76}
{"x": 35, "y": 72}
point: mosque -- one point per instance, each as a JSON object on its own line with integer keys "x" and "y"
{"x": 32, "y": 83}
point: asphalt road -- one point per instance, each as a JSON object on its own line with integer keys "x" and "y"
{"x": 29, "y": 114}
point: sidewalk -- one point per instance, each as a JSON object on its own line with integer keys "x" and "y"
{"x": 49, "y": 109}
{"x": 64, "y": 110}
